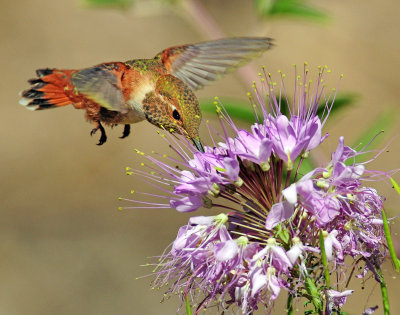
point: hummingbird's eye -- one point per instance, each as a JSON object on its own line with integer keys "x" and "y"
{"x": 176, "y": 115}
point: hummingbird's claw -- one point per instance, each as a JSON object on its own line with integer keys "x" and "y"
{"x": 103, "y": 136}
{"x": 93, "y": 131}
{"x": 126, "y": 132}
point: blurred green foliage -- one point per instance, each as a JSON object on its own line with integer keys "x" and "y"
{"x": 290, "y": 8}
{"x": 120, "y": 4}
{"x": 265, "y": 8}
{"x": 123, "y": 4}
{"x": 383, "y": 123}
{"x": 243, "y": 111}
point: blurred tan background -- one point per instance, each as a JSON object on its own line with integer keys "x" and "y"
{"x": 64, "y": 247}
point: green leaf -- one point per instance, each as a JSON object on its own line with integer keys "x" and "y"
{"x": 389, "y": 241}
{"x": 292, "y": 8}
{"x": 395, "y": 185}
{"x": 314, "y": 294}
{"x": 236, "y": 109}
{"x": 341, "y": 101}
{"x": 243, "y": 111}
{"x": 324, "y": 258}
{"x": 283, "y": 233}
{"x": 306, "y": 167}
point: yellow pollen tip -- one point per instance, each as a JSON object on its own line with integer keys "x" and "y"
{"x": 129, "y": 173}
{"x": 216, "y": 98}
{"x": 141, "y": 164}
{"x": 119, "y": 198}
{"x": 127, "y": 168}
{"x": 132, "y": 191}
{"x": 120, "y": 208}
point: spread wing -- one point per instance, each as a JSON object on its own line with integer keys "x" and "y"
{"x": 200, "y": 64}
{"x": 103, "y": 85}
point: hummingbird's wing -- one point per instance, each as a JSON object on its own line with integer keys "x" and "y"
{"x": 200, "y": 64}
{"x": 103, "y": 85}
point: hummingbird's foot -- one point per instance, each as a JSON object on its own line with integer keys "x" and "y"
{"x": 103, "y": 136}
{"x": 126, "y": 132}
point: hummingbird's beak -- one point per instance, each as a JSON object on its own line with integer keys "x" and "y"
{"x": 198, "y": 144}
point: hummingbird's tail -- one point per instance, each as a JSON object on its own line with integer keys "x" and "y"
{"x": 52, "y": 88}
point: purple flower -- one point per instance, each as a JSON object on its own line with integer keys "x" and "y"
{"x": 331, "y": 243}
{"x": 268, "y": 239}
{"x": 187, "y": 204}
{"x": 278, "y": 213}
{"x": 251, "y": 146}
{"x": 293, "y": 137}
{"x": 322, "y": 205}
{"x": 337, "y": 299}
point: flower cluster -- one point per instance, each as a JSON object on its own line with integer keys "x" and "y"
{"x": 281, "y": 229}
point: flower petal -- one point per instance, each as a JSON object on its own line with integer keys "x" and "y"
{"x": 279, "y": 212}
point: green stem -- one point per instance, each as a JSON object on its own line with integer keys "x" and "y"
{"x": 324, "y": 259}
{"x": 385, "y": 297}
{"x": 188, "y": 308}
{"x": 289, "y": 304}
{"x": 389, "y": 241}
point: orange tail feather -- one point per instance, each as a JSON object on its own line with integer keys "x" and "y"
{"x": 52, "y": 88}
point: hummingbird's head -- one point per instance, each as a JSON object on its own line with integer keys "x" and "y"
{"x": 174, "y": 107}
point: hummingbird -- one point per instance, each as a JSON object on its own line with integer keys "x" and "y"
{"x": 159, "y": 90}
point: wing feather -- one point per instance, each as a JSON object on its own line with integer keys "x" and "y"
{"x": 103, "y": 85}
{"x": 200, "y": 64}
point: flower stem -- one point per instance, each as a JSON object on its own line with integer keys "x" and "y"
{"x": 389, "y": 241}
{"x": 324, "y": 259}
{"x": 385, "y": 297}
{"x": 289, "y": 304}
{"x": 188, "y": 308}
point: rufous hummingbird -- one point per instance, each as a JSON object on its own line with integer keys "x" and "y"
{"x": 159, "y": 90}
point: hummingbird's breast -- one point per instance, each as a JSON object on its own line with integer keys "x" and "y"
{"x": 138, "y": 82}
